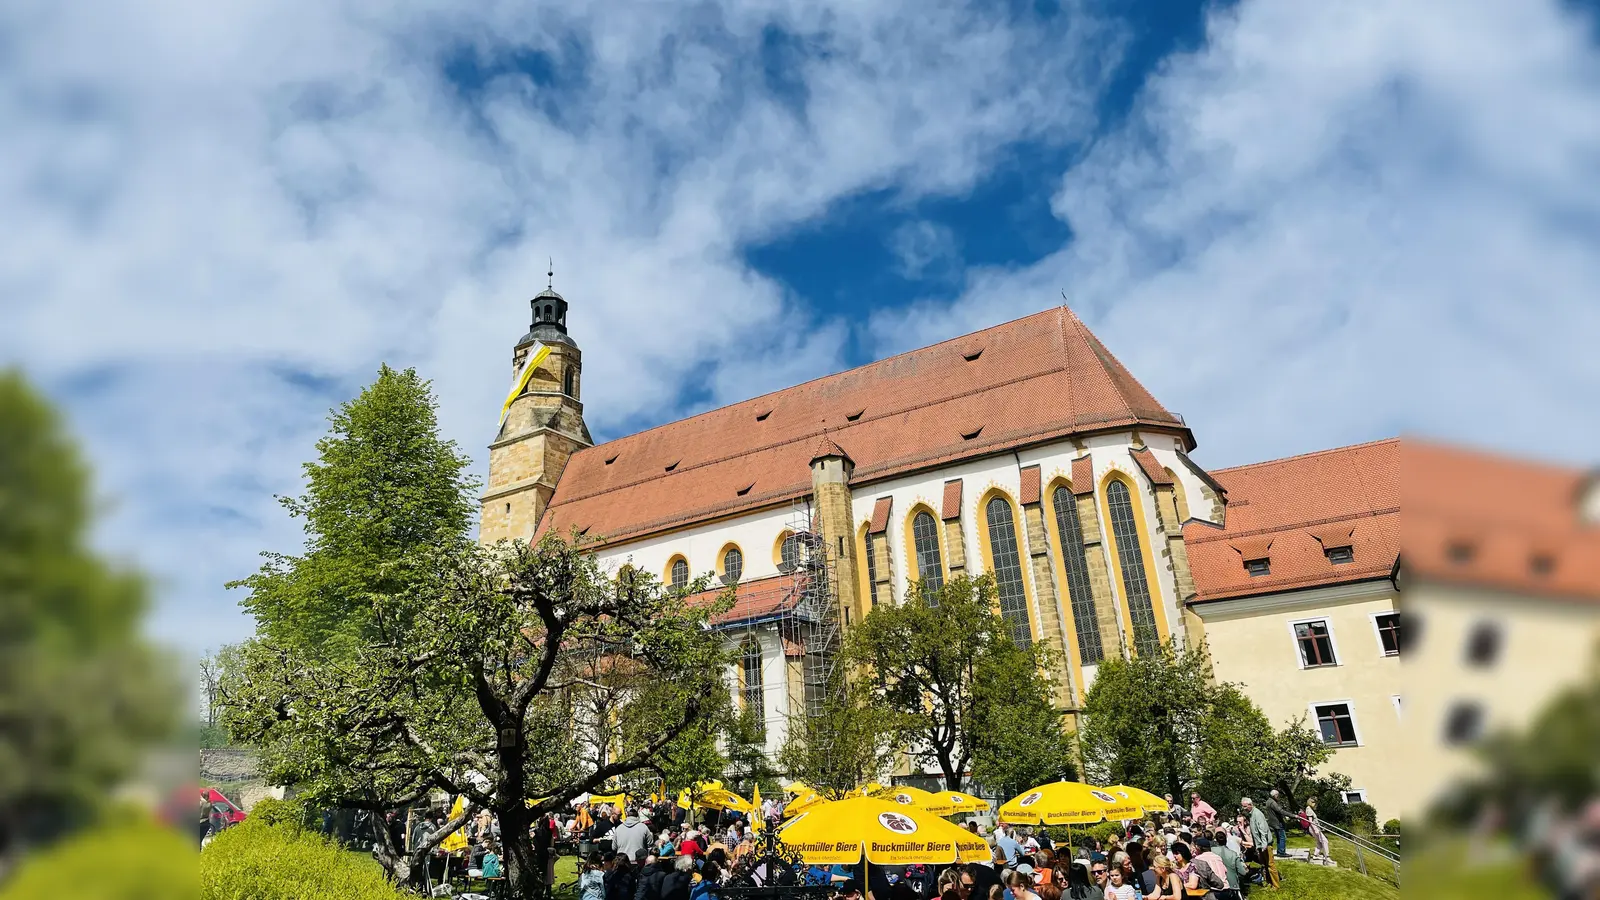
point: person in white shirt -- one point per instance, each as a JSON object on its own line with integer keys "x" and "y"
{"x": 1117, "y": 888}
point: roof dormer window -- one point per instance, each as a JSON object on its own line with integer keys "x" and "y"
{"x": 1258, "y": 567}
{"x": 1339, "y": 555}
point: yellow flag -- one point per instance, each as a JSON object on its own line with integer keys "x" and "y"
{"x": 458, "y": 838}
{"x": 757, "y": 820}
{"x": 536, "y": 355}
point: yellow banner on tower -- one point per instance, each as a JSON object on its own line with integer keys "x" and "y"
{"x": 536, "y": 355}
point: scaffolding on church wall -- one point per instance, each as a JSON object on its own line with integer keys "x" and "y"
{"x": 801, "y": 605}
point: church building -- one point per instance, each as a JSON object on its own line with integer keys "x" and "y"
{"x": 1026, "y": 451}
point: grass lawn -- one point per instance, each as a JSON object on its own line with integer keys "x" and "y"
{"x": 1344, "y": 853}
{"x": 1308, "y": 882}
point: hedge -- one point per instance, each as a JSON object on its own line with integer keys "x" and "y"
{"x": 128, "y": 859}
{"x": 258, "y": 861}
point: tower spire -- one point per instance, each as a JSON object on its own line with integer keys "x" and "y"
{"x": 550, "y": 285}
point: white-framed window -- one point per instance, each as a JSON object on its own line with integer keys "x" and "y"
{"x": 1335, "y": 720}
{"x": 1484, "y": 643}
{"x": 1313, "y": 643}
{"x": 1463, "y": 723}
{"x": 1356, "y": 795}
{"x": 1395, "y": 699}
{"x": 1386, "y": 625}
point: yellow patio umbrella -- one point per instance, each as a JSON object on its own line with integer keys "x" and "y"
{"x": 938, "y": 804}
{"x": 885, "y": 832}
{"x": 803, "y": 802}
{"x": 1147, "y": 801}
{"x": 1066, "y": 803}
{"x": 965, "y": 802}
{"x": 722, "y": 798}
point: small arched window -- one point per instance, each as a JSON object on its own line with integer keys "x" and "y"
{"x": 732, "y": 565}
{"x": 680, "y": 574}
{"x": 925, "y": 539}
{"x": 1130, "y": 558}
{"x": 750, "y": 671}
{"x": 1086, "y": 620}
{"x": 1007, "y": 561}
{"x": 569, "y": 381}
{"x": 789, "y": 553}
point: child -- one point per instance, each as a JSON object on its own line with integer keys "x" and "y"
{"x": 592, "y": 883}
{"x": 491, "y": 859}
{"x": 1117, "y": 888}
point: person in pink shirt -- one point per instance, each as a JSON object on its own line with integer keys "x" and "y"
{"x": 1201, "y": 812}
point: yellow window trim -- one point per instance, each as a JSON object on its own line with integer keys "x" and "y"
{"x": 1059, "y": 562}
{"x": 1019, "y": 525}
{"x": 864, "y": 599}
{"x": 666, "y": 574}
{"x": 722, "y": 556}
{"x": 1108, "y": 537}
{"x": 777, "y": 548}
{"x": 913, "y": 570}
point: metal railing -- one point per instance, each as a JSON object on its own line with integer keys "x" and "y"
{"x": 1368, "y": 852}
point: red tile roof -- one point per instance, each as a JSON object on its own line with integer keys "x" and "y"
{"x": 1030, "y": 485}
{"x": 950, "y": 506}
{"x": 1083, "y": 475}
{"x": 828, "y": 447}
{"x": 1477, "y": 518}
{"x": 1277, "y": 509}
{"x": 880, "y": 516}
{"x": 1152, "y": 468}
{"x": 1035, "y": 379}
{"x": 754, "y": 599}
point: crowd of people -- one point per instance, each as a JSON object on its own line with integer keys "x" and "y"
{"x": 662, "y": 852}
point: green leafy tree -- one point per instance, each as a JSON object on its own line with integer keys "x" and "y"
{"x": 384, "y": 490}
{"x": 1020, "y": 740}
{"x": 1146, "y": 719}
{"x": 1293, "y": 759}
{"x": 82, "y": 694}
{"x": 943, "y": 670}
{"x": 849, "y": 742}
{"x": 748, "y": 764}
{"x": 478, "y": 680}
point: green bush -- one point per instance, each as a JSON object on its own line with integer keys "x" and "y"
{"x": 1363, "y": 818}
{"x": 256, "y": 861}
{"x": 1391, "y": 827}
{"x": 272, "y": 811}
{"x": 131, "y": 859}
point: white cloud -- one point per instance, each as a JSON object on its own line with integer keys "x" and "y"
{"x": 1338, "y": 221}
{"x": 201, "y": 198}
{"x": 921, "y": 246}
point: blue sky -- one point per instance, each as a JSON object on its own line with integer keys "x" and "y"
{"x": 1301, "y": 224}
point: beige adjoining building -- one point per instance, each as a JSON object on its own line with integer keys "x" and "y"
{"x": 1028, "y": 452}
{"x": 1298, "y": 601}
{"x": 1501, "y": 582}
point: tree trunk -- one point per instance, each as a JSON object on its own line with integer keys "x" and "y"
{"x": 524, "y": 865}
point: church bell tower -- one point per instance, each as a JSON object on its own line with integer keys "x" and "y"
{"x": 543, "y": 428}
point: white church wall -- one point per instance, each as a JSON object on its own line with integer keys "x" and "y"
{"x": 755, "y": 534}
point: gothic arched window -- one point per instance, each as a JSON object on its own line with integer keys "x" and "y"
{"x": 1130, "y": 558}
{"x": 569, "y": 381}
{"x": 1069, "y": 532}
{"x": 732, "y": 565}
{"x": 750, "y": 666}
{"x": 925, "y": 540}
{"x": 1007, "y": 562}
